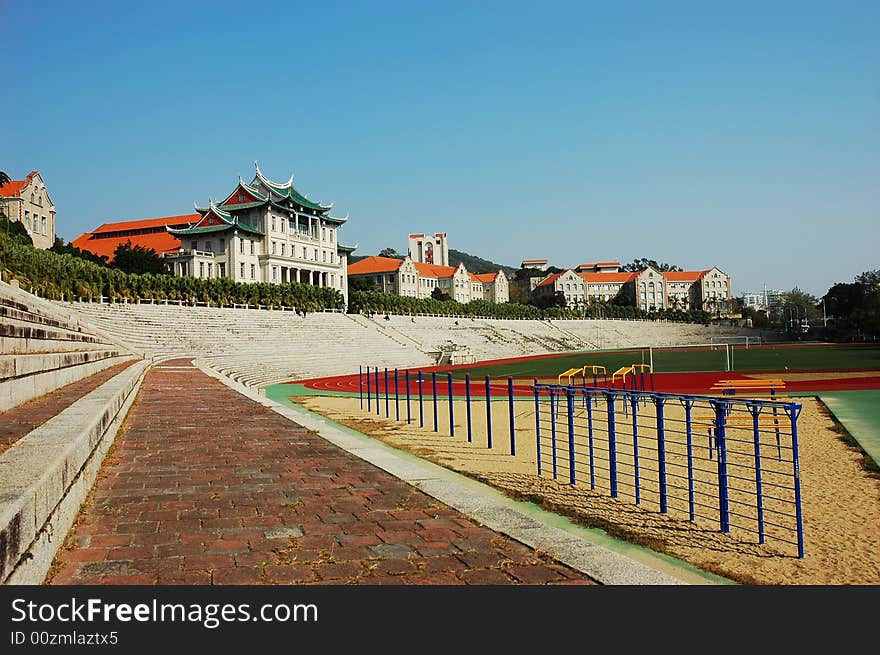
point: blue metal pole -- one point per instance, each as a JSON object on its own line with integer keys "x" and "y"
{"x": 720, "y": 420}
{"x": 537, "y": 425}
{"x": 612, "y": 444}
{"x": 396, "y": 395}
{"x": 421, "y": 402}
{"x": 688, "y": 404}
{"x": 451, "y": 414}
{"x": 434, "y": 389}
{"x": 408, "y": 411}
{"x": 489, "y": 412}
{"x": 376, "y": 378}
{"x": 793, "y": 411}
{"x": 361, "y": 384}
{"x": 571, "y": 471}
{"x": 467, "y": 402}
{"x": 634, "y": 403}
{"x": 755, "y": 409}
{"x": 387, "y": 406}
{"x": 511, "y": 417}
{"x": 369, "y": 393}
{"x": 553, "y": 431}
{"x": 590, "y": 442}
{"x": 661, "y": 452}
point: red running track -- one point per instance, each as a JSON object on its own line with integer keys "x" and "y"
{"x": 686, "y": 383}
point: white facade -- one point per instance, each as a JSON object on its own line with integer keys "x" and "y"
{"x": 27, "y": 202}
{"x": 429, "y": 248}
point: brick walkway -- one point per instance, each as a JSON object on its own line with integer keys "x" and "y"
{"x": 204, "y": 486}
{"x": 19, "y": 421}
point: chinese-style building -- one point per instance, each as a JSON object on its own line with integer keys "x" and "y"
{"x": 264, "y": 231}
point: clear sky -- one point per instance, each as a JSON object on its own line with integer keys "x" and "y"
{"x": 744, "y": 135}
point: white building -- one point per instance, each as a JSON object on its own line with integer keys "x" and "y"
{"x": 27, "y": 202}
{"x": 429, "y": 249}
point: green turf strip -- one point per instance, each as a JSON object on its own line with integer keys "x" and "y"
{"x": 859, "y": 413}
{"x": 767, "y": 358}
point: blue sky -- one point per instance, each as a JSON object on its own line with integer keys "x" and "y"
{"x": 741, "y": 134}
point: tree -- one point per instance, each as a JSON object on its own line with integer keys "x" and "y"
{"x": 359, "y": 283}
{"x": 800, "y": 309}
{"x": 16, "y": 231}
{"x": 440, "y": 294}
{"x": 390, "y": 252}
{"x": 643, "y": 263}
{"x": 70, "y": 249}
{"x": 137, "y": 259}
{"x": 4, "y": 178}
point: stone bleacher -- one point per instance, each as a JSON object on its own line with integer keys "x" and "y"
{"x": 259, "y": 347}
{"x": 46, "y": 471}
{"x": 256, "y": 347}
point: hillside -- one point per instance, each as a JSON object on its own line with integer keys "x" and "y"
{"x": 476, "y": 264}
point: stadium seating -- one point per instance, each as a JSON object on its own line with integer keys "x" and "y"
{"x": 259, "y": 347}
{"x": 64, "y": 389}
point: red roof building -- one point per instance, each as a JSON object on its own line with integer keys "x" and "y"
{"x": 27, "y": 202}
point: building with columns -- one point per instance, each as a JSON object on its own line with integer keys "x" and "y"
{"x": 27, "y": 202}
{"x": 263, "y": 231}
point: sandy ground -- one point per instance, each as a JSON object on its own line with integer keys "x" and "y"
{"x": 840, "y": 494}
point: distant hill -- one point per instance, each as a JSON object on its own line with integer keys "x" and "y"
{"x": 472, "y": 263}
{"x": 476, "y": 264}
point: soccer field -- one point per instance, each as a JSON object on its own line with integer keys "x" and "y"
{"x": 793, "y": 357}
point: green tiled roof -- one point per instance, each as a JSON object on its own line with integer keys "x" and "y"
{"x": 215, "y": 228}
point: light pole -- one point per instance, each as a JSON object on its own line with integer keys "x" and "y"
{"x": 824, "y": 318}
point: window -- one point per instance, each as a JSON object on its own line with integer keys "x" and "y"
{"x": 282, "y": 249}
{"x": 209, "y": 246}
{"x": 241, "y": 271}
{"x": 194, "y": 245}
{"x": 273, "y": 223}
{"x": 332, "y": 258}
{"x": 240, "y": 197}
{"x": 274, "y": 273}
{"x": 253, "y": 268}
{"x": 273, "y": 247}
{"x": 241, "y": 249}
{"x": 27, "y": 219}
{"x": 210, "y": 271}
{"x": 201, "y": 269}
{"x": 222, "y": 245}
{"x": 324, "y": 256}
{"x": 43, "y": 225}
{"x": 221, "y": 270}
{"x": 252, "y": 250}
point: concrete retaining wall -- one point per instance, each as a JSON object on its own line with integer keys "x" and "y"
{"x": 45, "y": 476}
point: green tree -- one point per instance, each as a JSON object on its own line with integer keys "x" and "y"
{"x": 390, "y": 252}
{"x": 4, "y": 178}
{"x": 440, "y": 294}
{"x": 643, "y": 263}
{"x": 137, "y": 259}
{"x": 16, "y": 231}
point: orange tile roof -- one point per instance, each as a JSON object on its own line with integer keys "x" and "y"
{"x": 158, "y": 241}
{"x": 185, "y": 219}
{"x": 484, "y": 277}
{"x": 549, "y": 280}
{"x": 374, "y": 265}
{"x": 12, "y": 188}
{"x": 683, "y": 276}
{"x": 614, "y": 278}
{"x": 434, "y": 270}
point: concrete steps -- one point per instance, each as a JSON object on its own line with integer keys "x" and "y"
{"x": 45, "y": 476}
